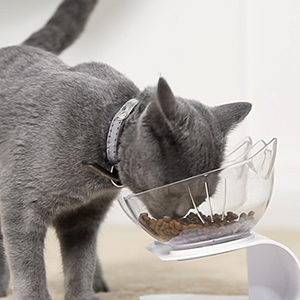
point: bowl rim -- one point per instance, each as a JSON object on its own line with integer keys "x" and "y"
{"x": 274, "y": 141}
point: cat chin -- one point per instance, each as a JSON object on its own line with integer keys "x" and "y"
{"x": 177, "y": 199}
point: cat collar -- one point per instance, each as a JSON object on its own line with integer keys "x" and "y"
{"x": 115, "y": 128}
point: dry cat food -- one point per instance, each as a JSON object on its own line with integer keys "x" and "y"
{"x": 193, "y": 229}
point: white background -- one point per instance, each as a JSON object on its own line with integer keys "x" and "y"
{"x": 213, "y": 51}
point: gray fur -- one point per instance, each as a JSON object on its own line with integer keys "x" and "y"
{"x": 64, "y": 26}
{"x": 52, "y": 117}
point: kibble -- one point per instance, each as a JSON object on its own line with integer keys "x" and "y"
{"x": 194, "y": 229}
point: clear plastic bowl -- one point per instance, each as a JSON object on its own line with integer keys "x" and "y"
{"x": 242, "y": 195}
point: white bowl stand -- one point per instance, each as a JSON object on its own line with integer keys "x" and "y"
{"x": 273, "y": 269}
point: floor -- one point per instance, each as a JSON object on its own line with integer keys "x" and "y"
{"x": 131, "y": 270}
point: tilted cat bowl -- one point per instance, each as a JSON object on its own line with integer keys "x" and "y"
{"x": 224, "y": 223}
{"x": 239, "y": 201}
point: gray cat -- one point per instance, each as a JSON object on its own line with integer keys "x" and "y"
{"x": 53, "y": 117}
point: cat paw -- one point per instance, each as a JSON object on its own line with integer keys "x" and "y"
{"x": 88, "y": 296}
{"x": 3, "y": 293}
{"x": 3, "y": 289}
{"x": 99, "y": 285}
{"x": 4, "y": 278}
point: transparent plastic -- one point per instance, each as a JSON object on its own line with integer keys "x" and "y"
{"x": 243, "y": 192}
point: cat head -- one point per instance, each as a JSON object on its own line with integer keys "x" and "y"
{"x": 170, "y": 139}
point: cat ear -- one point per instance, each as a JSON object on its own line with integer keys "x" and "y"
{"x": 165, "y": 109}
{"x": 229, "y": 115}
{"x": 165, "y": 101}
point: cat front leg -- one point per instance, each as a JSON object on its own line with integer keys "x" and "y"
{"x": 77, "y": 232}
{"x": 24, "y": 235}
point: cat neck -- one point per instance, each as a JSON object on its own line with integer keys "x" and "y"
{"x": 121, "y": 121}
{"x": 112, "y": 141}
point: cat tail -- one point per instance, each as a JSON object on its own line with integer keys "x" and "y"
{"x": 63, "y": 27}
